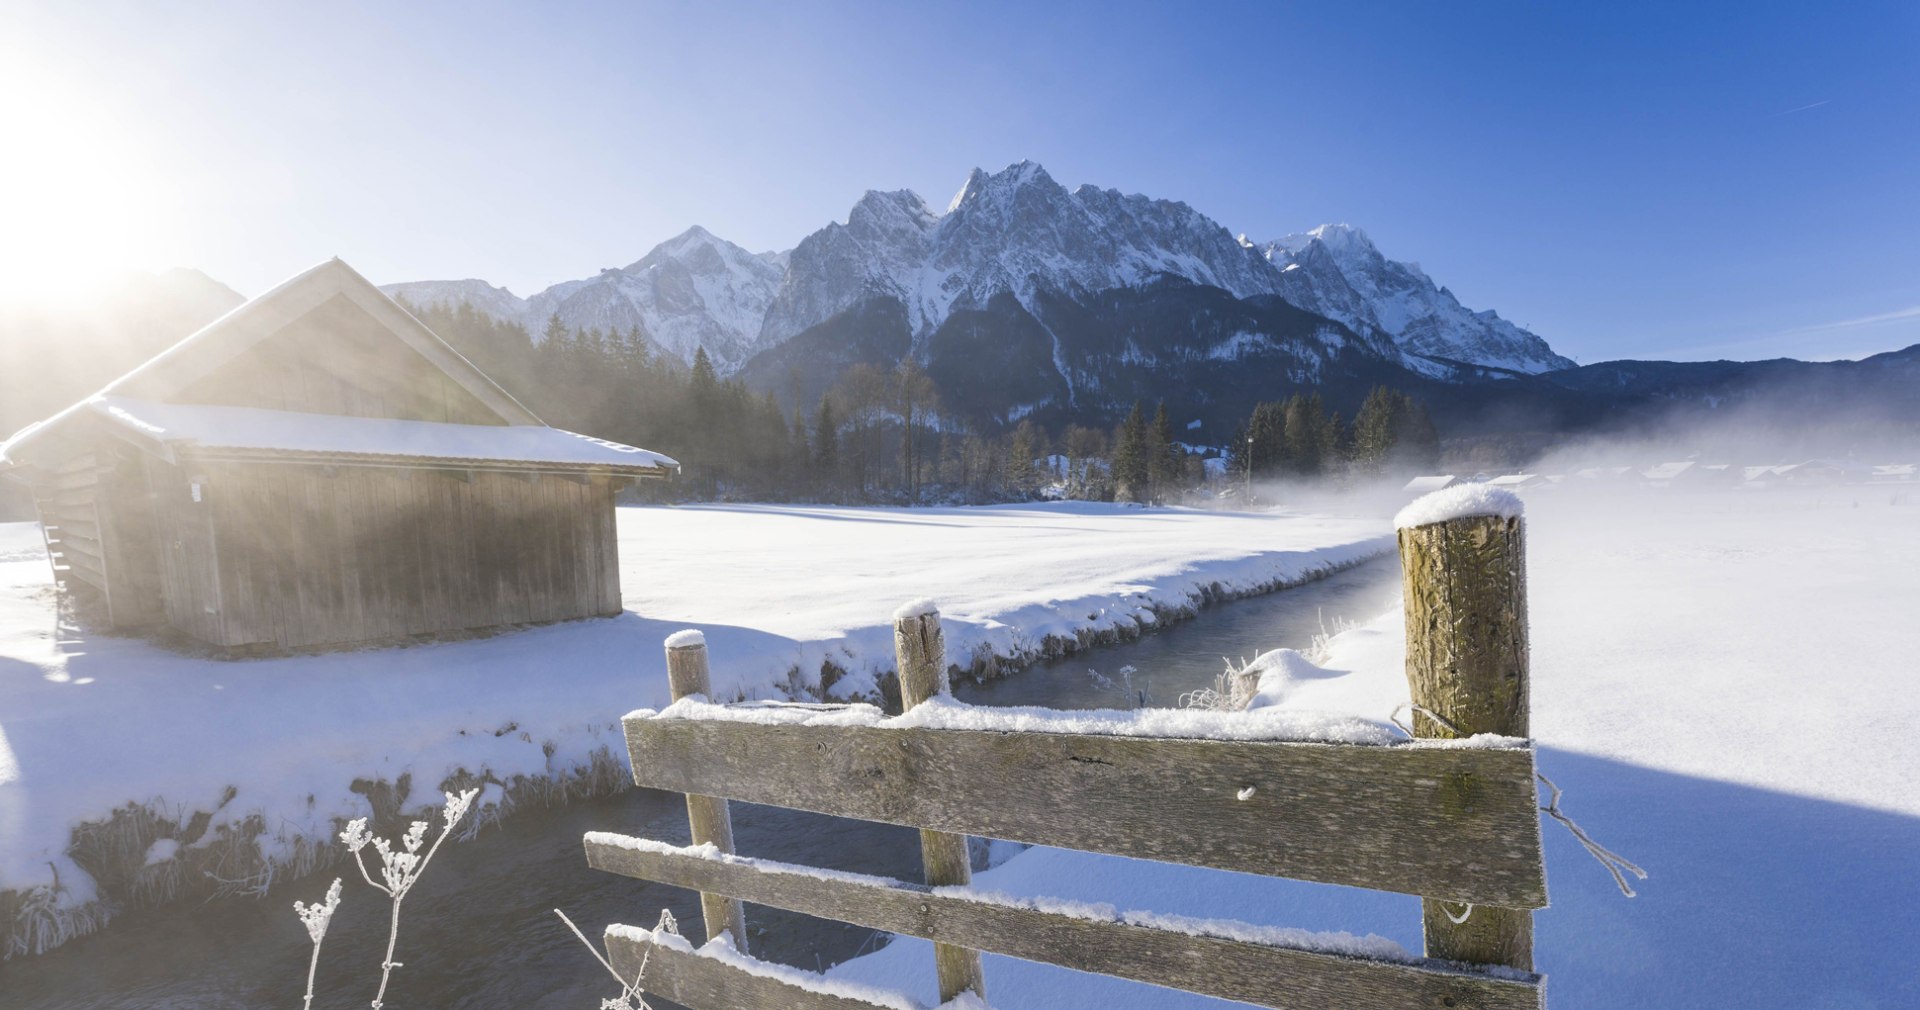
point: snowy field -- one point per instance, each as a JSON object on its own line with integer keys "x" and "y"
{"x": 89, "y": 723}
{"x": 1724, "y": 688}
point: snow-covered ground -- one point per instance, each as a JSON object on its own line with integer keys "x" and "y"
{"x": 90, "y": 722}
{"x": 1724, "y": 688}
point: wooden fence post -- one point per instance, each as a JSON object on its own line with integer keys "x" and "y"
{"x": 921, "y": 652}
{"x": 707, "y": 816}
{"x": 1466, "y": 612}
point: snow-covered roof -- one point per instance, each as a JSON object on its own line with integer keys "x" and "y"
{"x": 256, "y": 319}
{"x": 1895, "y": 471}
{"x": 1516, "y": 480}
{"x": 1668, "y": 471}
{"x": 1436, "y": 482}
{"x": 205, "y": 431}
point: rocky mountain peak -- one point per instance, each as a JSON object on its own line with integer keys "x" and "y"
{"x": 1014, "y": 232}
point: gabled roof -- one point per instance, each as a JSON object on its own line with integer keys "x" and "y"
{"x": 247, "y": 324}
{"x": 1436, "y": 482}
{"x": 200, "y": 431}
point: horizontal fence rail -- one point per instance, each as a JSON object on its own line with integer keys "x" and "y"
{"x": 695, "y": 980}
{"x": 1454, "y": 823}
{"x": 1261, "y": 974}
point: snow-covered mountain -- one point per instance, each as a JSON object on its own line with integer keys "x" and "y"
{"x": 1014, "y": 233}
{"x": 1336, "y": 271}
{"x": 497, "y": 302}
{"x": 692, "y": 291}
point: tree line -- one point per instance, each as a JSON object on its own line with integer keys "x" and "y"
{"x": 879, "y": 435}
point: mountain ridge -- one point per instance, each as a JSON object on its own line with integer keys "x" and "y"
{"x": 1014, "y": 231}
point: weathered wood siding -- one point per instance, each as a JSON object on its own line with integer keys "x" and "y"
{"x": 183, "y": 529}
{"x": 129, "y": 541}
{"x": 294, "y": 556}
{"x": 337, "y": 359}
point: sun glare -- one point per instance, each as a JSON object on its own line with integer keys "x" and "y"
{"x": 79, "y": 198}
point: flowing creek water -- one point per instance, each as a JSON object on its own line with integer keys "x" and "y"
{"x": 478, "y": 930}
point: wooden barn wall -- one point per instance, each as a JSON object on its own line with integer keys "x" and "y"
{"x": 311, "y": 557}
{"x": 130, "y": 542}
{"x": 183, "y": 530}
{"x": 337, "y": 359}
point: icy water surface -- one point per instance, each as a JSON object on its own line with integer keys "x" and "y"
{"x": 478, "y": 931}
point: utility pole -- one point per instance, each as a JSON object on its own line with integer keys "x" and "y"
{"x": 1249, "y": 469}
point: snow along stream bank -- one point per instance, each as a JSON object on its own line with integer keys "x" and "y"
{"x": 1723, "y": 686}
{"x": 130, "y": 774}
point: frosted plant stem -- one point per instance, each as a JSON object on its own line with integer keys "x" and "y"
{"x": 316, "y": 918}
{"x": 386, "y": 964}
{"x": 313, "y": 967}
{"x": 400, "y": 870}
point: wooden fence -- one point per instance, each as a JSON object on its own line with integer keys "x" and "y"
{"x": 1456, "y": 825}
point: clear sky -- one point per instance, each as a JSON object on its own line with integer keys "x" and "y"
{"x": 1666, "y": 180}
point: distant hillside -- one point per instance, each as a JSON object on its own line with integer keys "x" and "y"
{"x": 53, "y": 354}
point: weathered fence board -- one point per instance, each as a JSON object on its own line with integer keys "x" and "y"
{"x": 1453, "y": 823}
{"x": 704, "y": 983}
{"x": 1256, "y": 973}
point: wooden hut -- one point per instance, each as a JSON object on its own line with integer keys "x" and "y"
{"x": 317, "y": 468}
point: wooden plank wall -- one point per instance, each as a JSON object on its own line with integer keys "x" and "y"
{"x": 67, "y": 497}
{"x": 129, "y": 539}
{"x": 311, "y": 556}
{"x": 183, "y": 530}
{"x": 337, "y": 359}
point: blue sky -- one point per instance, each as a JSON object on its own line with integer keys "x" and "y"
{"x": 1683, "y": 181}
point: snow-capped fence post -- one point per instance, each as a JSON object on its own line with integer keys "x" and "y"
{"x": 1463, "y": 559}
{"x": 921, "y": 653}
{"x": 707, "y": 816}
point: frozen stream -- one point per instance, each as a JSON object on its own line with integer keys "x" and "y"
{"x": 478, "y": 930}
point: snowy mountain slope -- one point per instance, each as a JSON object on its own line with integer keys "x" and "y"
{"x": 1015, "y": 232}
{"x": 1336, "y": 271}
{"x": 497, "y": 302}
{"x": 690, "y": 292}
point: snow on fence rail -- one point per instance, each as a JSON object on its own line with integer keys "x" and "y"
{"x": 1451, "y": 816}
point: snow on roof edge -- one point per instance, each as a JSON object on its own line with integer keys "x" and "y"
{"x": 31, "y": 432}
{"x": 216, "y": 430}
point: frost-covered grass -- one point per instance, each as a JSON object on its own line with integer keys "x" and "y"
{"x": 109, "y": 745}
{"x": 1723, "y": 687}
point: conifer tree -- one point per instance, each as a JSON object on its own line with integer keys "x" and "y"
{"x": 826, "y": 441}
{"x": 556, "y": 331}
{"x": 1266, "y": 441}
{"x": 1023, "y": 448}
{"x": 1166, "y": 463}
{"x": 1132, "y": 477}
